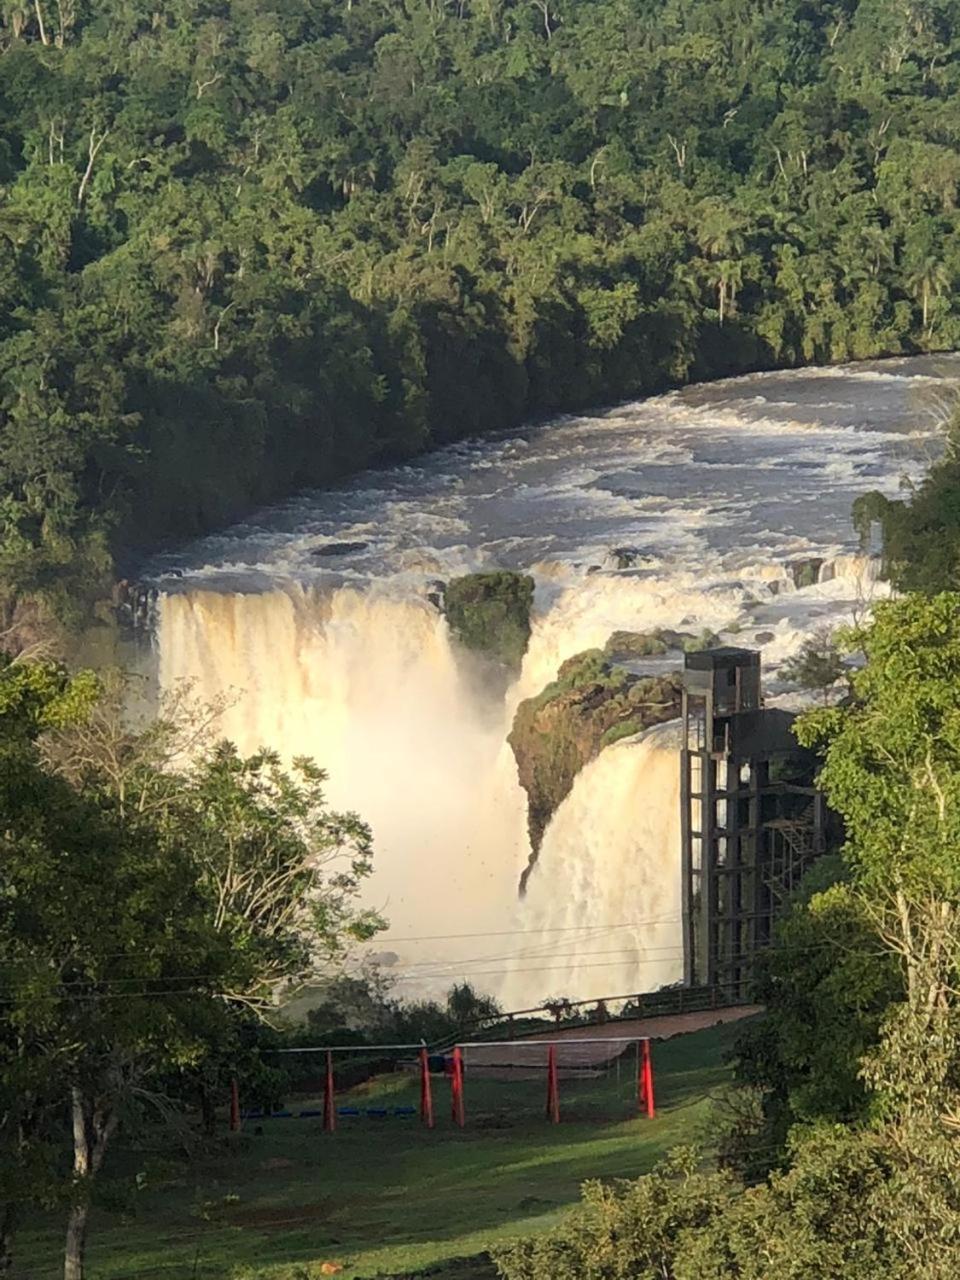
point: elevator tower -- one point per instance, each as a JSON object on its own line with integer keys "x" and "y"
{"x": 752, "y": 820}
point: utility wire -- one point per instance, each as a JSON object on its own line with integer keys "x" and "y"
{"x": 440, "y": 937}
{"x": 648, "y": 956}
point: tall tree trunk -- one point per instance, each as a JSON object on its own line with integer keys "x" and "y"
{"x": 76, "y": 1242}
{"x": 94, "y": 1124}
{"x": 8, "y": 1222}
{"x": 76, "y": 1246}
{"x": 45, "y": 39}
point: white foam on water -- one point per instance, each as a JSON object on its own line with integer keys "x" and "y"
{"x": 342, "y": 657}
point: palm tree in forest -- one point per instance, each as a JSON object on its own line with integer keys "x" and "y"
{"x": 721, "y": 239}
{"x": 928, "y": 280}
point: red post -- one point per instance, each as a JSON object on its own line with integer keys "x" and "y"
{"x": 426, "y": 1095}
{"x": 553, "y": 1086}
{"x": 645, "y": 1080}
{"x": 456, "y": 1087}
{"x": 234, "y": 1107}
{"x": 329, "y": 1105}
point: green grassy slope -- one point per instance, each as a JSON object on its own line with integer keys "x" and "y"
{"x": 384, "y": 1197}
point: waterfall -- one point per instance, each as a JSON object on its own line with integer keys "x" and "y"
{"x": 605, "y": 893}
{"x": 723, "y": 509}
{"x": 862, "y": 570}
{"x": 368, "y": 684}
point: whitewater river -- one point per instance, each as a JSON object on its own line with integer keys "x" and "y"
{"x": 684, "y": 510}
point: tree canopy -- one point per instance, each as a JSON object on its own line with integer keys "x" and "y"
{"x": 246, "y": 247}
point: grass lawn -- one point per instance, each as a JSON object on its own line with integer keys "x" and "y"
{"x": 383, "y": 1197}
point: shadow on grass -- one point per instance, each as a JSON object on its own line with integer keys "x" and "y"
{"x": 385, "y": 1196}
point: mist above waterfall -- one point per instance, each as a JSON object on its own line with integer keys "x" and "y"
{"x": 689, "y": 511}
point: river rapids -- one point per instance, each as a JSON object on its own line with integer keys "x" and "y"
{"x": 683, "y": 511}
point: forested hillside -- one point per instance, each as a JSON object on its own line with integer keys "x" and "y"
{"x": 248, "y": 245}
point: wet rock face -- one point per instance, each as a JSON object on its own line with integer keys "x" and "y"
{"x": 338, "y": 549}
{"x": 806, "y": 572}
{"x": 436, "y": 591}
{"x": 622, "y": 557}
{"x": 592, "y": 703}
{"x": 135, "y": 604}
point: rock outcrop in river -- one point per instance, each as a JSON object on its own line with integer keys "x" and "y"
{"x": 593, "y": 702}
{"x": 490, "y": 614}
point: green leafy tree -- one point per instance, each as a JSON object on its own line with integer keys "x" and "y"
{"x": 892, "y": 769}
{"x": 153, "y": 885}
{"x": 112, "y": 967}
{"x": 282, "y": 871}
{"x": 634, "y": 1229}
{"x": 826, "y": 985}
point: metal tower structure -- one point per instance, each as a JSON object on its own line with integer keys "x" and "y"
{"x": 752, "y": 820}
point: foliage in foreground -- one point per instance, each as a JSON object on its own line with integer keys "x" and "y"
{"x": 825, "y": 986}
{"x": 854, "y": 1205}
{"x": 155, "y": 887}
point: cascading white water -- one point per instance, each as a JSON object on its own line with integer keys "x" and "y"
{"x": 371, "y": 685}
{"x": 368, "y": 686}
{"x": 611, "y": 855}
{"x": 681, "y": 512}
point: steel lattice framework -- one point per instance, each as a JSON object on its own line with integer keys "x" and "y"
{"x": 752, "y": 819}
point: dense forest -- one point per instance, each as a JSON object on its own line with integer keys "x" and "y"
{"x": 251, "y": 246}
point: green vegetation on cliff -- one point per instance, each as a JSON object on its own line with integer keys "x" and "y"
{"x": 490, "y": 614}
{"x": 592, "y": 703}
{"x": 245, "y": 248}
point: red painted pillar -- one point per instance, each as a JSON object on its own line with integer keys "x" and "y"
{"x": 646, "y": 1079}
{"x": 426, "y": 1094}
{"x": 553, "y": 1086}
{"x": 234, "y": 1107}
{"x": 456, "y": 1085}
{"x": 329, "y": 1105}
